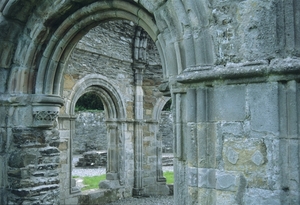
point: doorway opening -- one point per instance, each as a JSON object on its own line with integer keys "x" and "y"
{"x": 89, "y": 144}
{"x": 167, "y": 138}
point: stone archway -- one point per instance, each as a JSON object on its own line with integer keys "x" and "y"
{"x": 136, "y": 118}
{"x": 233, "y": 73}
{"x": 157, "y": 116}
{"x": 115, "y": 115}
{"x": 51, "y": 41}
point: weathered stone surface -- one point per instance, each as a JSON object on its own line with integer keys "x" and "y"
{"x": 229, "y": 106}
{"x": 265, "y": 107}
{"x": 261, "y": 196}
{"x": 91, "y": 133}
{"x": 93, "y": 158}
{"x": 233, "y": 156}
{"x": 232, "y": 69}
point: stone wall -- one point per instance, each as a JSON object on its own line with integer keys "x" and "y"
{"x": 166, "y": 131}
{"x": 125, "y": 84}
{"x": 91, "y": 133}
{"x": 231, "y": 68}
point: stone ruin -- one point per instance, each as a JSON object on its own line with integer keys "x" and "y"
{"x": 231, "y": 69}
{"x": 92, "y": 159}
{"x": 90, "y": 138}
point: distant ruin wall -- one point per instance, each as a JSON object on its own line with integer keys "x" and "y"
{"x": 90, "y": 133}
{"x": 166, "y": 131}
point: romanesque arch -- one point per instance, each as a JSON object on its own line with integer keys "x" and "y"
{"x": 95, "y": 82}
{"x": 232, "y": 68}
{"x": 115, "y": 115}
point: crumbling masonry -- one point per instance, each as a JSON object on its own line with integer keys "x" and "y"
{"x": 231, "y": 69}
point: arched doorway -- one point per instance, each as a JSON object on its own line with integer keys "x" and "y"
{"x": 89, "y": 144}
{"x": 114, "y": 112}
{"x": 131, "y": 79}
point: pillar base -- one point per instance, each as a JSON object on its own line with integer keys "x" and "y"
{"x": 138, "y": 192}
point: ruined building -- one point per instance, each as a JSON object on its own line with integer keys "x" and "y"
{"x": 231, "y": 69}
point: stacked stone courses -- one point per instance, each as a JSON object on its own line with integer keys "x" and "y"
{"x": 231, "y": 69}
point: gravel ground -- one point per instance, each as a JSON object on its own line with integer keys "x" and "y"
{"x": 157, "y": 200}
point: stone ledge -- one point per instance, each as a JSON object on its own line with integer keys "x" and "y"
{"x": 256, "y": 69}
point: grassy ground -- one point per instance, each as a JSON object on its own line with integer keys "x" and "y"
{"x": 93, "y": 182}
{"x": 169, "y": 176}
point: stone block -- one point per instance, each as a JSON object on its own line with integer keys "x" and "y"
{"x": 263, "y": 106}
{"x": 2, "y": 172}
{"x": 71, "y": 200}
{"x": 3, "y": 79}
{"x": 63, "y": 145}
{"x": 227, "y": 103}
{"x": 3, "y": 140}
{"x": 21, "y": 116}
{"x": 193, "y": 195}
{"x": 49, "y": 151}
{"x": 206, "y": 196}
{"x": 249, "y": 156}
{"x": 151, "y": 6}
{"x": 226, "y": 198}
{"x": 232, "y": 155}
{"x": 64, "y": 134}
{"x": 262, "y": 197}
{"x": 206, "y": 178}
{"x": 207, "y": 136}
{"x": 226, "y": 181}
{"x": 233, "y": 129}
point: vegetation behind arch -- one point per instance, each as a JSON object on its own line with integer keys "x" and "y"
{"x": 89, "y": 101}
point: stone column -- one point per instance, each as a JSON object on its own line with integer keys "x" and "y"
{"x": 112, "y": 153}
{"x": 113, "y": 158}
{"x": 66, "y": 124}
{"x": 33, "y": 162}
{"x": 289, "y": 141}
{"x": 180, "y": 188}
{"x": 138, "y": 131}
{"x": 159, "y": 172}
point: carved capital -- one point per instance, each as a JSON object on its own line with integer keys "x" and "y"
{"x": 44, "y": 116}
{"x": 45, "y": 110}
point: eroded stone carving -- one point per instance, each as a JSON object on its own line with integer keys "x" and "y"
{"x": 45, "y": 116}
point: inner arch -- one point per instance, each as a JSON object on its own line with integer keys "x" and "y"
{"x": 77, "y": 25}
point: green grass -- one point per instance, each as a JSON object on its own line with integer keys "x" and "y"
{"x": 92, "y": 182}
{"x": 169, "y": 176}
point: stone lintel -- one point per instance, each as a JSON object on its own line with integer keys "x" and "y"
{"x": 277, "y": 69}
{"x": 35, "y": 99}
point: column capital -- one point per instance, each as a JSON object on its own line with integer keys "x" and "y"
{"x": 45, "y": 109}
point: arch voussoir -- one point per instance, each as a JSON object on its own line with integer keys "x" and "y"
{"x": 49, "y": 74}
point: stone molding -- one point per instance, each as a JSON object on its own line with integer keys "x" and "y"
{"x": 256, "y": 69}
